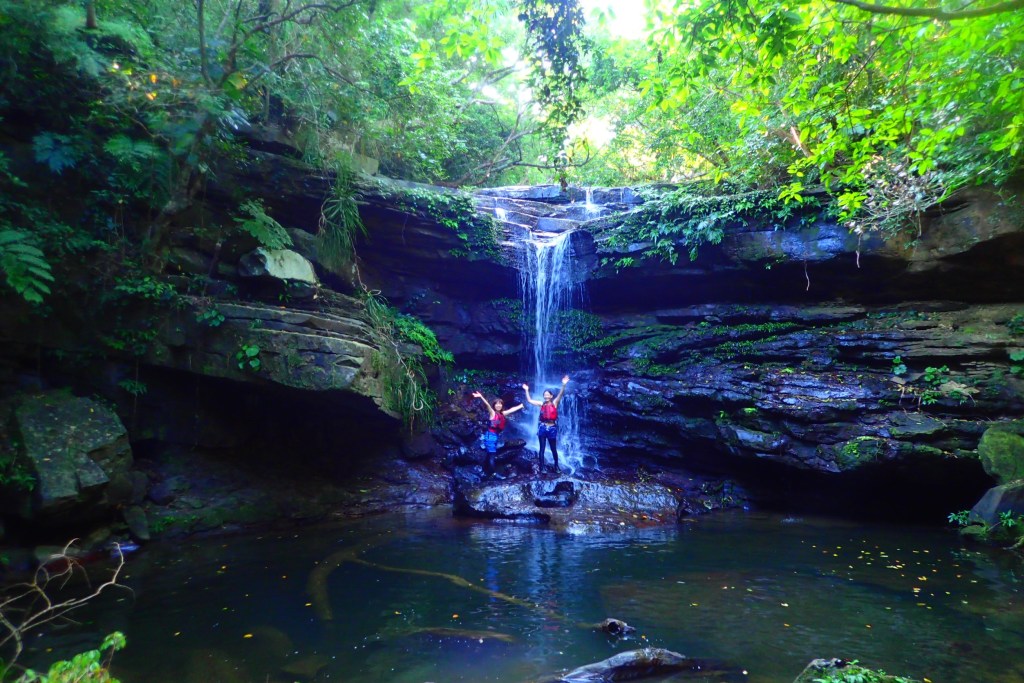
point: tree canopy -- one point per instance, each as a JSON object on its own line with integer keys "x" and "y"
{"x": 886, "y": 108}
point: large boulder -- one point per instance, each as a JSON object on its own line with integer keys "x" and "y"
{"x": 279, "y": 264}
{"x": 74, "y": 447}
{"x": 1003, "y": 498}
{"x": 1002, "y": 451}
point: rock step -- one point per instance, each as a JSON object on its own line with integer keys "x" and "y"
{"x": 299, "y": 321}
{"x": 553, "y": 194}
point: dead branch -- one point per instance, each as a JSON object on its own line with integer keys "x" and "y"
{"x": 28, "y": 606}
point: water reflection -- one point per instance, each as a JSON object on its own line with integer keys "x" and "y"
{"x": 750, "y": 591}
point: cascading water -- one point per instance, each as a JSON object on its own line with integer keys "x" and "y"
{"x": 591, "y": 210}
{"x": 545, "y": 279}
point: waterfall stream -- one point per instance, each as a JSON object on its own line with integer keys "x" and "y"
{"x": 545, "y": 279}
{"x": 543, "y": 234}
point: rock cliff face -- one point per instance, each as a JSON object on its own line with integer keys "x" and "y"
{"x": 812, "y": 367}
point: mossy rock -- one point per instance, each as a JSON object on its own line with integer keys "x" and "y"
{"x": 1002, "y": 453}
{"x": 859, "y": 451}
{"x": 975, "y": 532}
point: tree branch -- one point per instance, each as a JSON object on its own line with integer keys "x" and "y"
{"x": 34, "y": 603}
{"x": 935, "y": 13}
{"x": 204, "y": 63}
{"x": 303, "y": 15}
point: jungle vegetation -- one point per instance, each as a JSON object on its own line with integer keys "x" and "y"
{"x": 116, "y": 114}
{"x": 125, "y": 106}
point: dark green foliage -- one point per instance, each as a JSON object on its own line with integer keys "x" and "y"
{"x": 557, "y": 47}
{"x": 56, "y": 151}
{"x": 340, "y": 223}
{"x": 248, "y": 357}
{"x": 413, "y": 330}
{"x": 512, "y": 310}
{"x": 688, "y": 219}
{"x": 14, "y": 473}
{"x": 403, "y": 379}
{"x": 1016, "y": 361}
{"x": 456, "y": 211}
{"x": 91, "y": 666}
{"x": 578, "y": 329}
{"x": 24, "y": 266}
{"x": 210, "y": 316}
{"x": 1016, "y": 325}
{"x": 264, "y": 229}
{"x": 854, "y": 673}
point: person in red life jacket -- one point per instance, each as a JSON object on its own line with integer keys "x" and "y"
{"x": 495, "y": 427}
{"x": 547, "y": 430}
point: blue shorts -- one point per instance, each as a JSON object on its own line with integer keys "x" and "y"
{"x": 547, "y": 432}
{"x": 491, "y": 442}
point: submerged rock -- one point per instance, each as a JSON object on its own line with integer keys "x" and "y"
{"x": 306, "y": 667}
{"x": 635, "y": 665}
{"x": 614, "y": 627}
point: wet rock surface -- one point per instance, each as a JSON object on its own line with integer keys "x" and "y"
{"x": 784, "y": 379}
{"x": 591, "y": 503}
{"x": 76, "y": 452}
{"x": 647, "y": 663}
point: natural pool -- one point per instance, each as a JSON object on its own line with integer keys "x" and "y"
{"x": 758, "y": 593}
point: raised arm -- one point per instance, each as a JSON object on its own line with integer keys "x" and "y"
{"x": 512, "y": 409}
{"x": 490, "y": 409}
{"x": 526, "y": 388}
{"x": 558, "y": 399}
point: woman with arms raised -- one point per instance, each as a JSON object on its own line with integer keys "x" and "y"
{"x": 547, "y": 430}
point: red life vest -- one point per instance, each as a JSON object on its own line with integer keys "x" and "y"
{"x": 549, "y": 412}
{"x": 497, "y": 422}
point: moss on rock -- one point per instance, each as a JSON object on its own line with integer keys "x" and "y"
{"x": 1002, "y": 452}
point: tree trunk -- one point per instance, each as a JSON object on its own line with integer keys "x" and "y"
{"x": 90, "y": 15}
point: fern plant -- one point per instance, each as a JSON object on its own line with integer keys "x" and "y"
{"x": 402, "y": 378}
{"x": 268, "y": 232}
{"x": 57, "y": 151}
{"x": 340, "y": 223}
{"x": 24, "y": 266}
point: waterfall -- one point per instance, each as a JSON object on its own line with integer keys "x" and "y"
{"x": 591, "y": 209}
{"x": 545, "y": 279}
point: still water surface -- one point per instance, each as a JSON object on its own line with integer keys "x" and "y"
{"x": 757, "y": 593}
